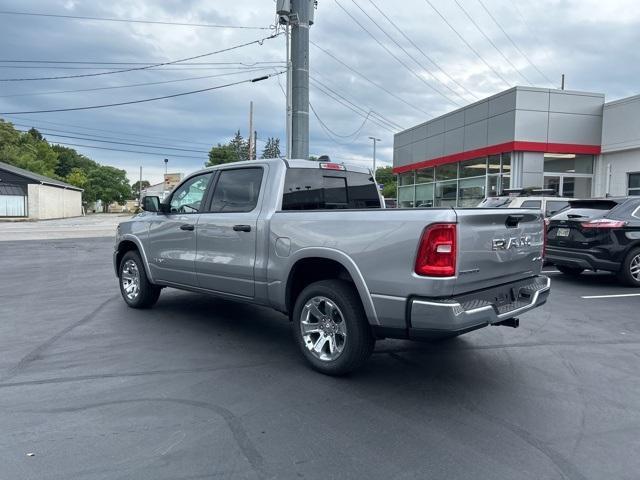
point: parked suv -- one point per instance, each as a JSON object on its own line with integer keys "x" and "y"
{"x": 597, "y": 234}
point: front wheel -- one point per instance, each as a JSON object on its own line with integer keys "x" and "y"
{"x": 573, "y": 271}
{"x": 331, "y": 328}
{"x": 135, "y": 287}
{"x": 629, "y": 273}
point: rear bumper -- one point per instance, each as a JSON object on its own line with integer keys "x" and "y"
{"x": 429, "y": 317}
{"x": 579, "y": 259}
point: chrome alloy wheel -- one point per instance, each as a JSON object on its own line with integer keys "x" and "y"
{"x": 323, "y": 328}
{"x": 634, "y": 268}
{"x": 130, "y": 279}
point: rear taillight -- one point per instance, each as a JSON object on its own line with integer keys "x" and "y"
{"x": 603, "y": 223}
{"x": 437, "y": 251}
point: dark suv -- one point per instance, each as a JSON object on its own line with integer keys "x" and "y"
{"x": 597, "y": 234}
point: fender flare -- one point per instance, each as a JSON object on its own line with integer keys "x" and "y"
{"x": 132, "y": 238}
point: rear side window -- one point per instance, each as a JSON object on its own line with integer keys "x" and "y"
{"x": 554, "y": 206}
{"x": 531, "y": 204}
{"x": 311, "y": 189}
{"x": 237, "y": 190}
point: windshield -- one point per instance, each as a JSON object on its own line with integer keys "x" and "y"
{"x": 495, "y": 202}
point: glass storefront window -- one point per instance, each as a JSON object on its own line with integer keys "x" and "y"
{"x": 494, "y": 164}
{"x": 406, "y": 197}
{"x": 506, "y": 163}
{"x": 471, "y": 191}
{"x": 424, "y": 195}
{"x": 568, "y": 163}
{"x": 447, "y": 172}
{"x": 576, "y": 187}
{"x": 424, "y": 175}
{"x": 634, "y": 184}
{"x": 406, "y": 178}
{"x": 473, "y": 168}
{"x": 446, "y": 193}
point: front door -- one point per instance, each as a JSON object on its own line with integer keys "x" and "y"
{"x": 172, "y": 235}
{"x": 226, "y": 234}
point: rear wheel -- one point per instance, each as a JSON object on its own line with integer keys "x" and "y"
{"x": 331, "y": 328}
{"x": 573, "y": 271}
{"x": 135, "y": 287}
{"x": 629, "y": 273}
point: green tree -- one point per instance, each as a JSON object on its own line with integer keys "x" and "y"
{"x": 77, "y": 177}
{"x": 236, "y": 150}
{"x": 108, "y": 184}
{"x": 68, "y": 159}
{"x": 272, "y": 148}
{"x": 386, "y": 177}
{"x": 135, "y": 188}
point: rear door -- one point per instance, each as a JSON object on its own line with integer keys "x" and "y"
{"x": 497, "y": 246}
{"x": 226, "y": 234}
{"x": 566, "y": 230}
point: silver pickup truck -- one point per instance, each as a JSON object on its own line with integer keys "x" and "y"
{"x": 313, "y": 241}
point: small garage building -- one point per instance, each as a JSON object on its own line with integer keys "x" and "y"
{"x": 29, "y": 195}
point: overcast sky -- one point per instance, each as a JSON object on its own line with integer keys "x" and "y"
{"x": 594, "y": 43}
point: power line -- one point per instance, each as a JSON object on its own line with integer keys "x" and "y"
{"x": 326, "y": 128}
{"x": 475, "y": 24}
{"x": 513, "y": 42}
{"x": 477, "y": 54}
{"x": 159, "y": 154}
{"x": 92, "y": 107}
{"x": 136, "y": 84}
{"x": 111, "y": 72}
{"x": 417, "y": 47}
{"x": 394, "y": 56}
{"x": 382, "y": 117}
{"x": 162, "y": 147}
{"x": 365, "y": 77}
{"x": 173, "y": 68}
{"x": 417, "y": 62}
{"x": 130, "y": 20}
{"x": 87, "y": 62}
{"x": 136, "y": 135}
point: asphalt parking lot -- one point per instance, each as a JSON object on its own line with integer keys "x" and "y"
{"x": 203, "y": 388}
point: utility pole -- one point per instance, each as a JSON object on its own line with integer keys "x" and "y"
{"x": 562, "y": 83}
{"x": 140, "y": 189}
{"x": 251, "y": 143}
{"x": 288, "y": 146}
{"x": 299, "y": 19}
{"x": 375, "y": 141}
{"x": 166, "y": 164}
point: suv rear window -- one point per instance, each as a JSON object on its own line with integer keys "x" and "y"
{"x": 311, "y": 189}
{"x": 579, "y": 209}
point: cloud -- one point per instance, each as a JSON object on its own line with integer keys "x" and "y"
{"x": 592, "y": 42}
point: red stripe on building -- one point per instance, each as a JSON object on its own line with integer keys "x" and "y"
{"x": 503, "y": 148}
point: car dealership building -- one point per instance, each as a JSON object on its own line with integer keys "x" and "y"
{"x": 571, "y": 142}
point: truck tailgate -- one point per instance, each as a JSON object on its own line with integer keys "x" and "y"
{"x": 497, "y": 246}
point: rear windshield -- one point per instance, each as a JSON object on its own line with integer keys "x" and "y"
{"x": 311, "y": 189}
{"x": 582, "y": 209}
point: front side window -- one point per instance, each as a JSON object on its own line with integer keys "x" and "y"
{"x": 634, "y": 184}
{"x": 189, "y": 196}
{"x": 237, "y": 190}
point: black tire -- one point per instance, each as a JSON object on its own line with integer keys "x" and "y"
{"x": 573, "y": 271}
{"x": 148, "y": 293}
{"x": 359, "y": 340}
{"x": 625, "y": 276}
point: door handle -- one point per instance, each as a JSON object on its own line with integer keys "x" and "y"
{"x": 187, "y": 227}
{"x": 242, "y": 228}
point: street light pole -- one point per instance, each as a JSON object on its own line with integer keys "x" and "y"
{"x": 166, "y": 163}
{"x": 375, "y": 141}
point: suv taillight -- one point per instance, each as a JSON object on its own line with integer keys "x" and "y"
{"x": 437, "y": 251}
{"x": 603, "y": 223}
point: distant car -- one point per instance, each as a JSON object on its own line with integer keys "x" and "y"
{"x": 549, "y": 205}
{"x": 390, "y": 203}
{"x": 597, "y": 234}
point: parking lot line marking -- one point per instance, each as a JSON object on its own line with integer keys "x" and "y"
{"x": 613, "y": 296}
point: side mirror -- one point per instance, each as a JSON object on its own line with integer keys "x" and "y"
{"x": 151, "y": 204}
